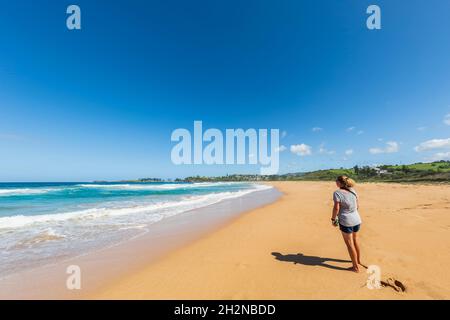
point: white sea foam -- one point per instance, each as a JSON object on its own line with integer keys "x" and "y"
{"x": 167, "y": 186}
{"x": 132, "y": 187}
{"x": 160, "y": 209}
{"x": 24, "y": 191}
{"x": 36, "y": 239}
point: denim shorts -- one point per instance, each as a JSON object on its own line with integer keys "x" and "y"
{"x": 349, "y": 229}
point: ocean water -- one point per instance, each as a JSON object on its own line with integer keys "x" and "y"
{"x": 44, "y": 222}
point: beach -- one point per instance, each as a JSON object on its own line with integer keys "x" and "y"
{"x": 127, "y": 227}
{"x": 289, "y": 250}
{"x": 274, "y": 241}
{"x": 191, "y": 151}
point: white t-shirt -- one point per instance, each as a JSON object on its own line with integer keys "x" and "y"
{"x": 348, "y": 210}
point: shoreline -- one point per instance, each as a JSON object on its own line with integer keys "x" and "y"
{"x": 289, "y": 250}
{"x": 104, "y": 265}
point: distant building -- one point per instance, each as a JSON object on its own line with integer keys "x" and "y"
{"x": 380, "y": 171}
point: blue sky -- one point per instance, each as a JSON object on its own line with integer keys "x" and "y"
{"x": 101, "y": 102}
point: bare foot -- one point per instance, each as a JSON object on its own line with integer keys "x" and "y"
{"x": 354, "y": 269}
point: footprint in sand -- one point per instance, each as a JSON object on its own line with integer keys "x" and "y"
{"x": 394, "y": 284}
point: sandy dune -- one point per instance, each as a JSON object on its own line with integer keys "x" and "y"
{"x": 289, "y": 250}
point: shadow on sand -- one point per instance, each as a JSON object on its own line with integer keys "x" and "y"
{"x": 309, "y": 260}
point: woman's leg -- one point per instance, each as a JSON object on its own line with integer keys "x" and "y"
{"x": 348, "y": 238}
{"x": 358, "y": 251}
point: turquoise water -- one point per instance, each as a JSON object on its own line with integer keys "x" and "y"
{"x": 41, "y": 222}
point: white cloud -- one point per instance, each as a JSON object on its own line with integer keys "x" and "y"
{"x": 391, "y": 147}
{"x": 348, "y": 152}
{"x": 447, "y": 119}
{"x": 323, "y": 150}
{"x": 353, "y": 130}
{"x": 283, "y": 134}
{"x": 422, "y": 128}
{"x": 281, "y": 148}
{"x": 440, "y": 156}
{"x": 433, "y": 144}
{"x": 301, "y": 149}
{"x": 376, "y": 150}
{"x": 317, "y": 129}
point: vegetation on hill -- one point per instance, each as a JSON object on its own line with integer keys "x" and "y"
{"x": 438, "y": 171}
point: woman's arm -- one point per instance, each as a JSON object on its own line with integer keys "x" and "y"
{"x": 335, "y": 211}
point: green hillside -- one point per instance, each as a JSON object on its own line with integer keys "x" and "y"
{"x": 418, "y": 172}
{"x": 441, "y": 166}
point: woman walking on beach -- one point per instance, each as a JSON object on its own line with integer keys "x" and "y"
{"x": 345, "y": 214}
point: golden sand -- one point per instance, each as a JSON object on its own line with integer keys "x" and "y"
{"x": 289, "y": 250}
